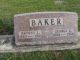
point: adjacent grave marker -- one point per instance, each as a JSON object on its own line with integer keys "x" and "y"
{"x": 46, "y": 28}
{"x": 58, "y": 1}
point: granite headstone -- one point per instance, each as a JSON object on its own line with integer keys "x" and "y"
{"x": 45, "y": 28}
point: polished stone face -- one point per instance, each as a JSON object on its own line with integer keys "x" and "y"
{"x": 46, "y": 28}
{"x": 46, "y": 22}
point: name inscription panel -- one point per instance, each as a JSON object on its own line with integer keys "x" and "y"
{"x": 45, "y": 28}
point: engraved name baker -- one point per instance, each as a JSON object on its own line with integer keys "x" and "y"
{"x": 46, "y": 22}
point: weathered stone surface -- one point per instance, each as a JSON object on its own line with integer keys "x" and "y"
{"x": 46, "y": 28}
{"x": 9, "y": 47}
{"x": 6, "y": 42}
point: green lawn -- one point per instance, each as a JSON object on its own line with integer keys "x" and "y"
{"x": 45, "y": 55}
{"x": 8, "y": 8}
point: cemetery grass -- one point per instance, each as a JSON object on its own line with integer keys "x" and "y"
{"x": 8, "y": 8}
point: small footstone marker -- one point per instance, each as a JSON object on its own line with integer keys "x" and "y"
{"x": 46, "y": 28}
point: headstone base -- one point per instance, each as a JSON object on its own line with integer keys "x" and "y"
{"x": 10, "y": 47}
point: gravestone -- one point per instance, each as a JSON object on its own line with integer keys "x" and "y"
{"x": 59, "y": 1}
{"x": 42, "y": 28}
